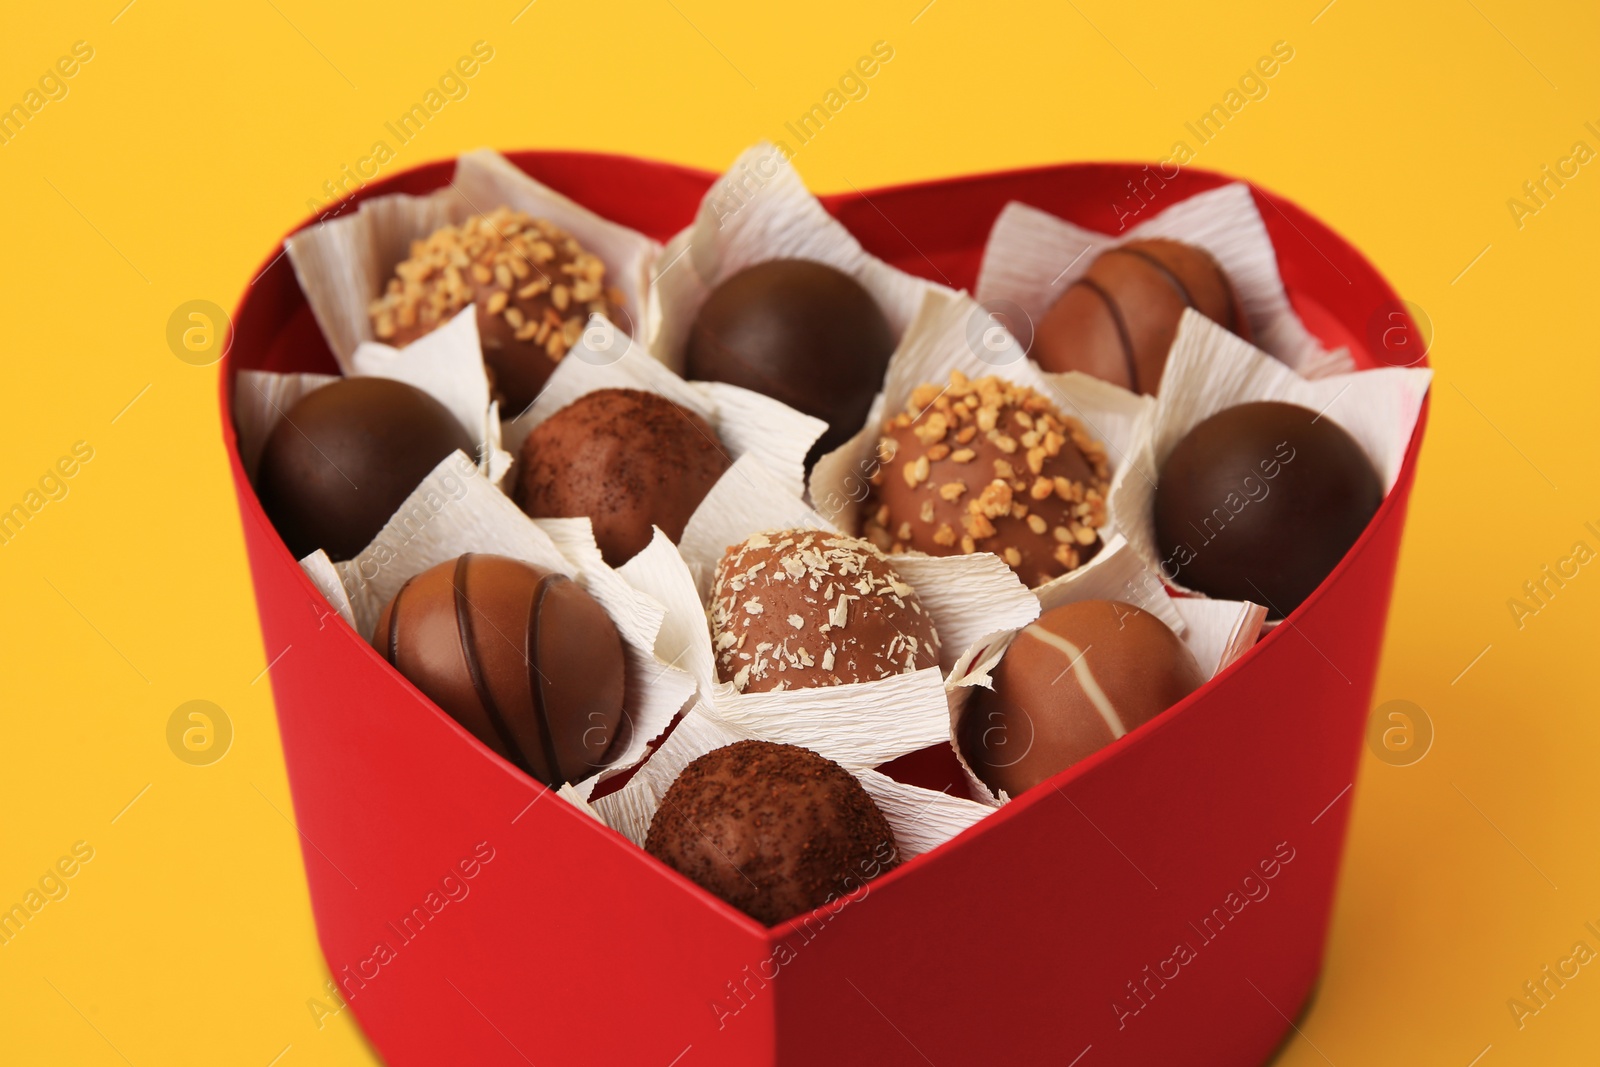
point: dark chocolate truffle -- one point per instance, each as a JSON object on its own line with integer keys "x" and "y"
{"x": 533, "y": 284}
{"x": 794, "y": 609}
{"x": 1260, "y": 501}
{"x": 522, "y": 657}
{"x": 625, "y": 458}
{"x": 1073, "y": 682}
{"x": 800, "y": 332}
{"x": 775, "y": 830}
{"x": 1118, "y": 320}
{"x": 342, "y": 461}
{"x": 989, "y": 466}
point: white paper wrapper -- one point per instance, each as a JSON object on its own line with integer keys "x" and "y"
{"x": 969, "y": 598}
{"x": 1216, "y": 632}
{"x": 344, "y": 263}
{"x": 952, "y": 332}
{"x": 260, "y": 400}
{"x": 456, "y": 510}
{"x": 325, "y": 576}
{"x": 1210, "y": 369}
{"x": 446, "y": 364}
{"x": 745, "y": 423}
{"x": 922, "y": 819}
{"x": 1219, "y": 631}
{"x": 1033, "y": 257}
{"x": 761, "y": 210}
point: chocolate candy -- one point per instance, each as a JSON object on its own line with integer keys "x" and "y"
{"x": 533, "y": 284}
{"x": 775, "y": 830}
{"x": 799, "y": 332}
{"x": 1118, "y": 320}
{"x": 628, "y": 460}
{"x": 793, "y": 609}
{"x": 522, "y": 657}
{"x": 1071, "y": 683}
{"x": 1260, "y": 501}
{"x": 344, "y": 459}
{"x": 989, "y": 466}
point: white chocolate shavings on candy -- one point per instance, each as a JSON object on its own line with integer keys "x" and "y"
{"x": 846, "y": 586}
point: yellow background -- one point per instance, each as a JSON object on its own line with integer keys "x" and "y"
{"x": 197, "y": 133}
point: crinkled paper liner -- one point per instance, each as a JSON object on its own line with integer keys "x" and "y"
{"x": 1210, "y": 369}
{"x": 344, "y": 263}
{"x": 1216, "y": 632}
{"x": 861, "y": 725}
{"x": 1032, "y": 257}
{"x": 761, "y": 210}
{"x": 952, "y": 332}
{"x": 446, "y": 364}
{"x": 922, "y": 819}
{"x": 456, "y": 510}
{"x": 744, "y": 423}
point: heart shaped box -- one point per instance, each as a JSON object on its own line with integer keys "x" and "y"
{"x": 1123, "y": 913}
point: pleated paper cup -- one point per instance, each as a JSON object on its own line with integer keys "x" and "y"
{"x": 1033, "y": 257}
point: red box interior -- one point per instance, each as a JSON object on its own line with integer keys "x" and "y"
{"x": 1050, "y": 931}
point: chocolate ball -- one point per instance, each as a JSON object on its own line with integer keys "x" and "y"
{"x": 800, "y": 332}
{"x": 794, "y": 609}
{"x": 1118, "y": 320}
{"x": 628, "y": 460}
{"x": 522, "y": 657}
{"x": 1071, "y": 683}
{"x": 989, "y": 466}
{"x": 1260, "y": 501}
{"x": 344, "y": 458}
{"x": 775, "y": 830}
{"x": 533, "y": 285}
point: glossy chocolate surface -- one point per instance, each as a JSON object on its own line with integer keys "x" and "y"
{"x": 522, "y": 657}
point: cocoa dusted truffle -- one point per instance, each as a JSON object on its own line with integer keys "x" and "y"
{"x": 775, "y": 830}
{"x": 1260, "y": 502}
{"x": 520, "y": 656}
{"x": 989, "y": 466}
{"x": 344, "y": 458}
{"x": 1071, "y": 683}
{"x": 794, "y": 609}
{"x": 533, "y": 284}
{"x": 1118, "y": 320}
{"x": 800, "y": 332}
{"x": 625, "y": 458}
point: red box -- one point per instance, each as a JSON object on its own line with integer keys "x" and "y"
{"x": 1048, "y": 933}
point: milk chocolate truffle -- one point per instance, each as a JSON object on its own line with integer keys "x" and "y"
{"x": 625, "y": 458}
{"x": 344, "y": 458}
{"x": 794, "y": 609}
{"x": 775, "y": 830}
{"x": 1118, "y": 320}
{"x": 1071, "y": 683}
{"x": 520, "y": 656}
{"x": 989, "y": 466}
{"x": 1260, "y": 501}
{"x": 533, "y": 285}
{"x": 800, "y": 332}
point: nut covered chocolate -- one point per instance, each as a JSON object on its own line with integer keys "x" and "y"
{"x": 1071, "y": 683}
{"x": 533, "y": 285}
{"x": 1118, "y": 320}
{"x": 625, "y": 458}
{"x": 989, "y": 466}
{"x": 522, "y": 657}
{"x": 775, "y": 830}
{"x": 794, "y": 609}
